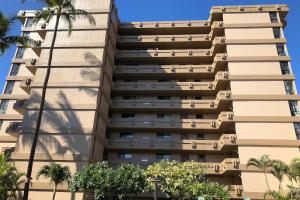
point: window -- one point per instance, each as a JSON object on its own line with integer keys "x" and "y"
{"x": 297, "y": 130}
{"x": 126, "y": 135}
{"x": 144, "y": 159}
{"x": 29, "y": 22}
{"x": 128, "y": 115}
{"x": 162, "y": 116}
{"x": 9, "y": 87}
{"x": 280, "y": 49}
{"x": 273, "y": 17}
{"x": 285, "y": 68}
{"x": 163, "y": 135}
{"x": 183, "y": 116}
{"x": 289, "y": 89}
{"x": 198, "y": 97}
{"x": 164, "y": 80}
{"x": 201, "y": 158}
{"x": 185, "y": 157}
{"x": 129, "y": 97}
{"x": 200, "y": 136}
{"x": 294, "y": 108}
{"x": 26, "y": 33}
{"x": 126, "y": 156}
{"x": 163, "y": 156}
{"x": 183, "y": 97}
{"x": 199, "y": 116}
{"x": 164, "y": 97}
{"x": 184, "y": 136}
{"x": 277, "y": 32}
{"x": 14, "y": 69}
{"x": 3, "y": 106}
{"x": 20, "y": 52}
{"x": 1, "y": 122}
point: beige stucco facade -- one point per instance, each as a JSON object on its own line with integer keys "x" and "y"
{"x": 217, "y": 91}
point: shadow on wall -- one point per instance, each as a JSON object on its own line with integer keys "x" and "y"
{"x": 61, "y": 119}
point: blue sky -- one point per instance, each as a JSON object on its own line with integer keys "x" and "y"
{"x": 149, "y": 10}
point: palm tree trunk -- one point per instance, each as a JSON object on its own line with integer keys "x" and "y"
{"x": 39, "y": 119}
{"x": 54, "y": 192}
{"x": 267, "y": 182}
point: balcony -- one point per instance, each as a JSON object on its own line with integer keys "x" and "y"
{"x": 192, "y": 41}
{"x": 168, "y": 56}
{"x": 224, "y": 144}
{"x": 168, "y": 27}
{"x": 221, "y": 82}
{"x": 171, "y": 71}
{"x": 221, "y": 103}
{"x": 14, "y": 128}
{"x": 223, "y": 122}
{"x": 19, "y": 106}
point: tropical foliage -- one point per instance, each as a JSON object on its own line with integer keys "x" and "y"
{"x": 280, "y": 171}
{"x": 10, "y": 179}
{"x": 108, "y": 183}
{"x": 56, "y": 173}
{"x": 184, "y": 180}
{"x": 6, "y": 40}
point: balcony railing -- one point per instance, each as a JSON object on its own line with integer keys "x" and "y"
{"x": 220, "y": 82}
{"x": 223, "y": 144}
{"x": 172, "y": 124}
{"x": 220, "y": 103}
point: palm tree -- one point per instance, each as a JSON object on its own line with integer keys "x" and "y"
{"x": 279, "y": 169}
{"x": 7, "y": 40}
{"x": 10, "y": 179}
{"x": 56, "y": 173}
{"x": 263, "y": 163}
{"x": 58, "y": 10}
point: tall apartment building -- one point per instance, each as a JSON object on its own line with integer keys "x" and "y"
{"x": 217, "y": 91}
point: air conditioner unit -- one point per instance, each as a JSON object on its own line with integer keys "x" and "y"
{"x": 211, "y": 103}
{"x": 43, "y": 25}
{"x": 191, "y": 86}
{"x": 194, "y": 145}
{"x": 192, "y": 104}
{"x": 216, "y": 168}
{"x": 193, "y": 123}
{"x": 33, "y": 61}
{"x": 241, "y": 8}
{"x": 173, "y": 24}
{"x": 213, "y": 124}
{"x": 189, "y": 23}
{"x": 210, "y": 85}
{"x": 190, "y": 68}
{"x": 28, "y": 82}
{"x": 156, "y": 24}
{"x": 156, "y": 38}
{"x": 190, "y": 37}
{"x": 259, "y": 7}
{"x": 215, "y": 145}
{"x": 230, "y": 116}
{"x": 209, "y": 68}
{"x": 173, "y": 38}
{"x": 140, "y": 24}
{"x": 173, "y": 53}
{"x": 224, "y": 56}
{"x": 190, "y": 53}
{"x": 227, "y": 94}
{"x": 173, "y": 69}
